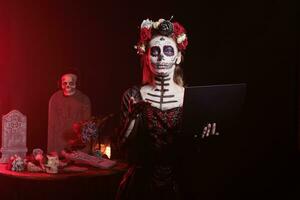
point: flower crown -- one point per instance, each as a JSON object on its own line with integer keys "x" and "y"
{"x": 162, "y": 27}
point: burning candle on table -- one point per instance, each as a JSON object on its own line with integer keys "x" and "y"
{"x": 105, "y": 150}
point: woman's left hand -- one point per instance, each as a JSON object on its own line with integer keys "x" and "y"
{"x": 209, "y": 129}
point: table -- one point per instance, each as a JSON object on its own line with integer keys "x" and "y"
{"x": 94, "y": 182}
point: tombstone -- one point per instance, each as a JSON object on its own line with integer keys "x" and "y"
{"x": 14, "y": 127}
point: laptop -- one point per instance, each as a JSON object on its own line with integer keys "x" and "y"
{"x": 220, "y": 104}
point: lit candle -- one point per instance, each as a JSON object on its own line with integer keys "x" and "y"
{"x": 105, "y": 149}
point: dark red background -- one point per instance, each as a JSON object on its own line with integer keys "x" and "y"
{"x": 230, "y": 42}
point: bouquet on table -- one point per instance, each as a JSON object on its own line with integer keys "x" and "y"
{"x": 89, "y": 134}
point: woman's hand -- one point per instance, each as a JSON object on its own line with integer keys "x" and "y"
{"x": 135, "y": 107}
{"x": 209, "y": 129}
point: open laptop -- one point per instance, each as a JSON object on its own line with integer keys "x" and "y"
{"x": 221, "y": 104}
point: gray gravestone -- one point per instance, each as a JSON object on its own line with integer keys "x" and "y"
{"x": 63, "y": 112}
{"x": 14, "y": 127}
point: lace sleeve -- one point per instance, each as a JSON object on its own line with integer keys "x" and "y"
{"x": 125, "y": 103}
{"x": 126, "y": 118}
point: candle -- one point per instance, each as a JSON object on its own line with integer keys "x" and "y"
{"x": 105, "y": 149}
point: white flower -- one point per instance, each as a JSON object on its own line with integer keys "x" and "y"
{"x": 181, "y": 38}
{"x": 157, "y": 23}
{"x": 141, "y": 48}
{"x": 147, "y": 24}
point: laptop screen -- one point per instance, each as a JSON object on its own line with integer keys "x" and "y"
{"x": 220, "y": 104}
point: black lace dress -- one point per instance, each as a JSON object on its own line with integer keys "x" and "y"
{"x": 153, "y": 152}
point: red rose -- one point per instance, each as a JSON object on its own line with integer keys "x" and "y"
{"x": 145, "y": 35}
{"x": 178, "y": 29}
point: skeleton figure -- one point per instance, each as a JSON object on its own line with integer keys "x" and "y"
{"x": 66, "y": 106}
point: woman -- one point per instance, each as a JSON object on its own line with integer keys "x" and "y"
{"x": 151, "y": 115}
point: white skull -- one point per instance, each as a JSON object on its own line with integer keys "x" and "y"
{"x": 163, "y": 55}
{"x": 52, "y": 164}
{"x": 68, "y": 84}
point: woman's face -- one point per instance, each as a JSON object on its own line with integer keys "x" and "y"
{"x": 163, "y": 55}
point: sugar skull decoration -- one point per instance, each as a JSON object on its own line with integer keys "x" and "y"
{"x": 38, "y": 156}
{"x": 17, "y": 163}
{"x": 68, "y": 84}
{"x": 52, "y": 164}
{"x": 36, "y": 162}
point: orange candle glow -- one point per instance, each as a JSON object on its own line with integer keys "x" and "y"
{"x": 105, "y": 149}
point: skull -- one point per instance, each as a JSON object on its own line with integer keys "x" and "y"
{"x": 52, "y": 164}
{"x": 164, "y": 55}
{"x": 68, "y": 84}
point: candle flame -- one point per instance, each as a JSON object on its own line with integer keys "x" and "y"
{"x": 105, "y": 149}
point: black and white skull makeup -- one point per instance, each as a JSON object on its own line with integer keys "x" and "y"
{"x": 161, "y": 44}
{"x": 163, "y": 55}
{"x": 68, "y": 84}
{"x": 165, "y": 93}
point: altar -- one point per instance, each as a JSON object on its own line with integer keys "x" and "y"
{"x": 93, "y": 183}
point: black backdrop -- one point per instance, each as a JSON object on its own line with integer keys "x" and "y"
{"x": 230, "y": 42}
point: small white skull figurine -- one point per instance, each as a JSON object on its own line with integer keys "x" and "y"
{"x": 52, "y": 164}
{"x": 68, "y": 84}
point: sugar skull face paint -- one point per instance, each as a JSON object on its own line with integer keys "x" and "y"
{"x": 163, "y": 55}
